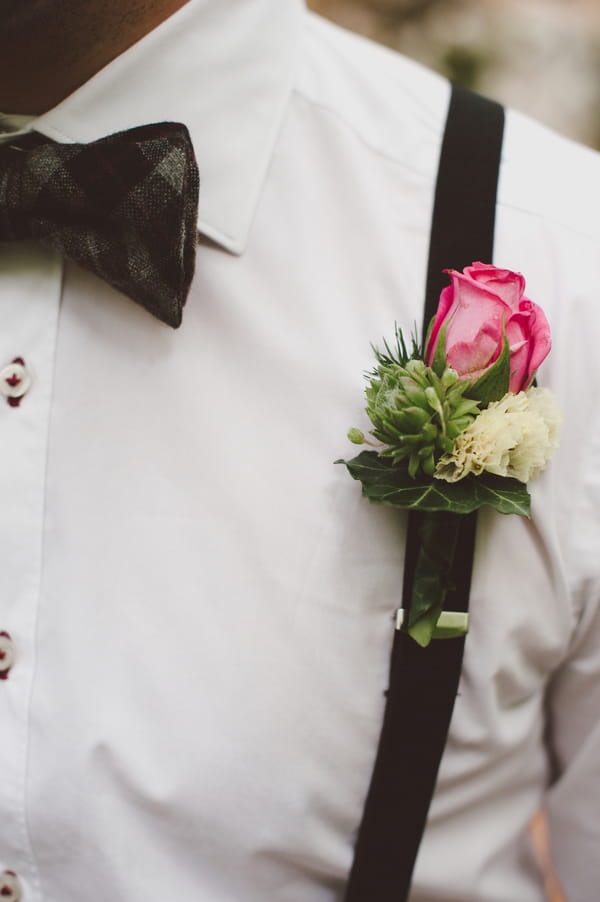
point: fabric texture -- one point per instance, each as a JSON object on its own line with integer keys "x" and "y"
{"x": 200, "y": 603}
{"x": 125, "y": 207}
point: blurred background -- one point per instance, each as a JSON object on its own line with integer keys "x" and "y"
{"x": 540, "y": 56}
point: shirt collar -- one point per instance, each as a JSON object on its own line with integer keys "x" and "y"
{"x": 222, "y": 67}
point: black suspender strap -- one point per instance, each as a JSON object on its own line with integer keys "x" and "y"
{"x": 424, "y": 681}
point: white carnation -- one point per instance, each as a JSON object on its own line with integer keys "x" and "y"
{"x": 515, "y": 436}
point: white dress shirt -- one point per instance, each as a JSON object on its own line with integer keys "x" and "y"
{"x": 197, "y": 604}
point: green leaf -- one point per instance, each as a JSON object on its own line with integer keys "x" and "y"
{"x": 422, "y": 631}
{"x": 386, "y": 482}
{"x": 438, "y": 364}
{"x": 494, "y": 383}
{"x": 438, "y": 536}
{"x": 440, "y": 505}
{"x": 427, "y": 337}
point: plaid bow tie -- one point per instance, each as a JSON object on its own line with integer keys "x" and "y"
{"x": 124, "y": 207}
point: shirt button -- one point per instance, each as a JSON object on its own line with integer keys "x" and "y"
{"x": 7, "y": 655}
{"x": 15, "y": 381}
{"x": 10, "y": 887}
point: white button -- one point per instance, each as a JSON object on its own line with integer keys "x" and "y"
{"x": 15, "y": 380}
{"x": 10, "y": 887}
{"x": 7, "y": 657}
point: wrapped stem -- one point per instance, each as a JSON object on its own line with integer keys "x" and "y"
{"x": 438, "y": 537}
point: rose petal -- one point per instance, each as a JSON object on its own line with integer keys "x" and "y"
{"x": 507, "y": 285}
{"x": 469, "y": 358}
{"x": 540, "y": 337}
{"x": 474, "y": 306}
{"x": 517, "y": 333}
{"x": 445, "y": 303}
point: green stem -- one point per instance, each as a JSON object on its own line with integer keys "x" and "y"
{"x": 438, "y": 535}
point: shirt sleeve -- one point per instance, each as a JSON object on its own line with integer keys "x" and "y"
{"x": 573, "y": 802}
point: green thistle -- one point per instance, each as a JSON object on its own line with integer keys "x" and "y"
{"x": 416, "y": 413}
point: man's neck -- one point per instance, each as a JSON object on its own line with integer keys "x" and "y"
{"x": 54, "y": 47}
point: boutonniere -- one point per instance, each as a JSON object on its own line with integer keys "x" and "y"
{"x": 457, "y": 421}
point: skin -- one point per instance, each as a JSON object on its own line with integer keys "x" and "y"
{"x": 48, "y": 48}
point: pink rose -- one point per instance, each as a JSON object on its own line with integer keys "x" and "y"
{"x": 480, "y": 303}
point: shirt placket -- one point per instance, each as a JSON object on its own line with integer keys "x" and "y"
{"x": 30, "y": 289}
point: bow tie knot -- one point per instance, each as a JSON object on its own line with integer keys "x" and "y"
{"x": 124, "y": 207}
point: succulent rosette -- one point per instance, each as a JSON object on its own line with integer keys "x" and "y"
{"x": 416, "y": 413}
{"x": 459, "y": 423}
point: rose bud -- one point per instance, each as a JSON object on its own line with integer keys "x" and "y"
{"x": 484, "y": 316}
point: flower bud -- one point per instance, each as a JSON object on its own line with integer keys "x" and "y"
{"x": 356, "y": 436}
{"x": 449, "y": 377}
